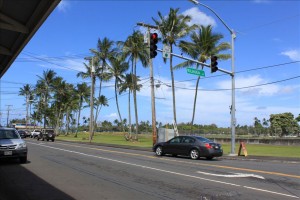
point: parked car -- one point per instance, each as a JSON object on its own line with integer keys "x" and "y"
{"x": 46, "y": 134}
{"x": 35, "y": 133}
{"x": 192, "y": 146}
{"x": 12, "y": 145}
{"x": 22, "y": 133}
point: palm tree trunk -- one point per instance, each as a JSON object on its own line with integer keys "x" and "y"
{"x": 78, "y": 118}
{"x": 135, "y": 103}
{"x": 129, "y": 114}
{"x": 116, "y": 96}
{"x": 195, "y": 101}
{"x": 98, "y": 106}
{"x": 173, "y": 86}
{"x": 58, "y": 122}
{"x": 67, "y": 122}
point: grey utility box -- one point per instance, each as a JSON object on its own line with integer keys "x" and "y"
{"x": 165, "y": 134}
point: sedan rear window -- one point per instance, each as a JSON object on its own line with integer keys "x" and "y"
{"x": 202, "y": 139}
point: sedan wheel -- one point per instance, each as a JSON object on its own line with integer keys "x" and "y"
{"x": 194, "y": 154}
{"x": 158, "y": 151}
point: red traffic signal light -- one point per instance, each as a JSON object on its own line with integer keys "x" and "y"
{"x": 213, "y": 64}
{"x": 153, "y": 42}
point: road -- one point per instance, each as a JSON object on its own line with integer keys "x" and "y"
{"x": 62, "y": 170}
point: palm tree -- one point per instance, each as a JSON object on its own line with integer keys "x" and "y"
{"x": 130, "y": 82}
{"x": 61, "y": 98}
{"x": 204, "y": 43}
{"x": 173, "y": 27}
{"x": 88, "y": 74}
{"x": 27, "y": 92}
{"x": 70, "y": 104}
{"x": 83, "y": 92}
{"x": 135, "y": 49}
{"x": 105, "y": 51}
{"x": 117, "y": 70}
{"x": 100, "y": 101}
{"x": 44, "y": 84}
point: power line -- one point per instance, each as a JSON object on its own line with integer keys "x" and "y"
{"x": 238, "y": 72}
{"x": 45, "y": 60}
{"x": 239, "y": 88}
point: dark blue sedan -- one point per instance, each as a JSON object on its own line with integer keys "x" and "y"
{"x": 192, "y": 146}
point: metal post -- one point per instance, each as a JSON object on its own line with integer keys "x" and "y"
{"x": 233, "y": 36}
{"x": 233, "y": 120}
{"x": 154, "y": 131}
{"x": 7, "y": 115}
{"x": 92, "y": 103}
{"x": 91, "y": 99}
{"x": 27, "y": 100}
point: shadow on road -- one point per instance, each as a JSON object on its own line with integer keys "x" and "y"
{"x": 16, "y": 182}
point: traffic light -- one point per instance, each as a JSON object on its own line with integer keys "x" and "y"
{"x": 153, "y": 42}
{"x": 213, "y": 64}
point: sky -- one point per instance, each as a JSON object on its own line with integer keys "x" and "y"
{"x": 266, "y": 59}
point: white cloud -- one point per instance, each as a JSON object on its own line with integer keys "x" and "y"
{"x": 277, "y": 40}
{"x": 292, "y": 54}
{"x": 112, "y": 116}
{"x": 68, "y": 64}
{"x": 63, "y": 6}
{"x": 213, "y": 106}
{"x": 199, "y": 17}
{"x": 261, "y": 1}
{"x": 244, "y": 82}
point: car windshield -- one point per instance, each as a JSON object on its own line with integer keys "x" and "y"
{"x": 8, "y": 134}
{"x": 202, "y": 139}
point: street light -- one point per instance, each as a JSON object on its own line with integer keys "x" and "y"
{"x": 233, "y": 36}
{"x": 91, "y": 98}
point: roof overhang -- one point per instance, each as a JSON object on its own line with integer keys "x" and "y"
{"x": 19, "y": 21}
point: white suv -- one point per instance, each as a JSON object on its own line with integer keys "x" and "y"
{"x": 12, "y": 145}
{"x": 35, "y": 133}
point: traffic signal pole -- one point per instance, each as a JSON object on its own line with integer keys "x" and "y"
{"x": 154, "y": 131}
{"x": 196, "y": 61}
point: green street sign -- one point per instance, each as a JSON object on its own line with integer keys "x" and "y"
{"x": 195, "y": 71}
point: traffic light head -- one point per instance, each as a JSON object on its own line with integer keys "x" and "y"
{"x": 213, "y": 64}
{"x": 153, "y": 42}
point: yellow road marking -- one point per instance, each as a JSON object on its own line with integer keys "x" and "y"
{"x": 178, "y": 161}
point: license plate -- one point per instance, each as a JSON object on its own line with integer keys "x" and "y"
{"x": 7, "y": 153}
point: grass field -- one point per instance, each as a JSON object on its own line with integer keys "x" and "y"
{"x": 146, "y": 141}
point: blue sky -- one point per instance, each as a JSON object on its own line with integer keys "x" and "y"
{"x": 267, "y": 35}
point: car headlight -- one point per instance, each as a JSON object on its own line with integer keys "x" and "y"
{"x": 21, "y": 145}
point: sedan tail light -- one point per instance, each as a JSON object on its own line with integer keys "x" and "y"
{"x": 207, "y": 145}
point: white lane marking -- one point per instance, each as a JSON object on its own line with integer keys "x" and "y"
{"x": 235, "y": 175}
{"x": 166, "y": 171}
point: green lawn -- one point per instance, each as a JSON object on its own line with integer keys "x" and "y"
{"x": 146, "y": 141}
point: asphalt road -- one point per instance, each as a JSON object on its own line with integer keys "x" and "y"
{"x": 61, "y": 170}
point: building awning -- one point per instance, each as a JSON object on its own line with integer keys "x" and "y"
{"x": 19, "y": 20}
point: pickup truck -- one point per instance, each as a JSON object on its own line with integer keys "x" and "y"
{"x": 35, "y": 133}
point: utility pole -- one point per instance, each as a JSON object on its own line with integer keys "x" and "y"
{"x": 27, "y": 100}
{"x": 91, "y": 59}
{"x": 7, "y": 114}
{"x": 154, "y": 131}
